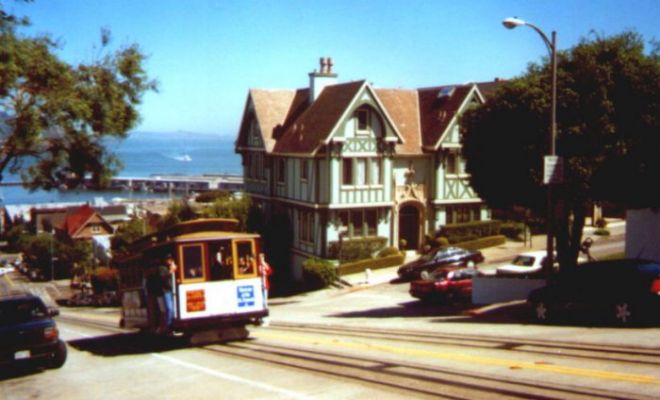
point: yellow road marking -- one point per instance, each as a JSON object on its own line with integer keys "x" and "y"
{"x": 510, "y": 364}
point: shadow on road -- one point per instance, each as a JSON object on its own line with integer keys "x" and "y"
{"x": 409, "y": 309}
{"x": 513, "y": 313}
{"x": 19, "y": 372}
{"x": 128, "y": 343}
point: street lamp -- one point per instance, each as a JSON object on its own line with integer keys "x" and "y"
{"x": 552, "y": 164}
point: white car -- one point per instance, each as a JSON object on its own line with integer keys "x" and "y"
{"x": 525, "y": 264}
{"x": 529, "y": 264}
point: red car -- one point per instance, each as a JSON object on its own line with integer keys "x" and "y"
{"x": 445, "y": 285}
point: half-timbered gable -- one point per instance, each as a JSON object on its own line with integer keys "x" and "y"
{"x": 347, "y": 160}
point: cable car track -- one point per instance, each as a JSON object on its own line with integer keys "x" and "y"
{"x": 412, "y": 377}
{"x": 633, "y": 354}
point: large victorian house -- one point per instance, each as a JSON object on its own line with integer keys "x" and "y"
{"x": 350, "y": 160}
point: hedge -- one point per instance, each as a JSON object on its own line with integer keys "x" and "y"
{"x": 513, "y": 230}
{"x": 372, "y": 263}
{"x": 483, "y": 243}
{"x": 318, "y": 273}
{"x": 356, "y": 249}
{"x": 456, "y": 233}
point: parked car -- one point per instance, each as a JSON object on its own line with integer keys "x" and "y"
{"x": 442, "y": 256}
{"x": 528, "y": 264}
{"x": 28, "y": 334}
{"x": 445, "y": 285}
{"x": 621, "y": 291}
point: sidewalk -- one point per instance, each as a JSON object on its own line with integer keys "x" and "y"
{"x": 493, "y": 255}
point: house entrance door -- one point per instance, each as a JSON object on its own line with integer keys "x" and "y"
{"x": 409, "y": 226}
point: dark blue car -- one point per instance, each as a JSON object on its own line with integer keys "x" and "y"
{"x": 28, "y": 334}
{"x": 623, "y": 292}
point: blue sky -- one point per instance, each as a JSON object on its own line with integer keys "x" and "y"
{"x": 206, "y": 54}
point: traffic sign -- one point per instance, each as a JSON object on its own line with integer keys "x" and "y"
{"x": 553, "y": 170}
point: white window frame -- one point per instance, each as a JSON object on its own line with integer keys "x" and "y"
{"x": 367, "y": 123}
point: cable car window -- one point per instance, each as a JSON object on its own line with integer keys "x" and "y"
{"x": 246, "y": 260}
{"x": 193, "y": 262}
{"x": 222, "y": 265}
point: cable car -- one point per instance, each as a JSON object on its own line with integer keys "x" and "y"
{"x": 217, "y": 287}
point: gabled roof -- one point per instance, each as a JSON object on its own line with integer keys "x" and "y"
{"x": 437, "y": 107}
{"x": 273, "y": 109}
{"x": 403, "y": 108}
{"x": 306, "y": 133}
{"x": 77, "y": 219}
{"x": 289, "y": 124}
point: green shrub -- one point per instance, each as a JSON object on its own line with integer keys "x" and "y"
{"x": 372, "y": 263}
{"x": 602, "y": 232}
{"x": 456, "y": 233}
{"x": 441, "y": 241}
{"x": 483, "y": 243}
{"x": 389, "y": 251}
{"x": 513, "y": 230}
{"x": 105, "y": 279}
{"x": 356, "y": 249}
{"x": 318, "y": 273}
{"x": 211, "y": 196}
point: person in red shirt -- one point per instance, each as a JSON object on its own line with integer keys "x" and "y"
{"x": 265, "y": 271}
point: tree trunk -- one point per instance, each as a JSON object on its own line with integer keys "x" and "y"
{"x": 568, "y": 229}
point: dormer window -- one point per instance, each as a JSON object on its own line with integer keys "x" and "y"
{"x": 362, "y": 120}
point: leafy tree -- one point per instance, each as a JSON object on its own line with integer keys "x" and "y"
{"x": 608, "y": 135}
{"x": 229, "y": 207}
{"x": 54, "y": 117}
{"x": 178, "y": 211}
{"x": 128, "y": 233}
{"x": 40, "y": 249}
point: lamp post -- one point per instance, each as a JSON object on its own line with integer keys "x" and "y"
{"x": 552, "y": 164}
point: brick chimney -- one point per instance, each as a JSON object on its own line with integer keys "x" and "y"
{"x": 319, "y": 80}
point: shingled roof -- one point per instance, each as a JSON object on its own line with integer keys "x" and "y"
{"x": 306, "y": 133}
{"x": 289, "y": 124}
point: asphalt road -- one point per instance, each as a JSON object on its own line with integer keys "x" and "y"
{"x": 354, "y": 343}
{"x": 361, "y": 342}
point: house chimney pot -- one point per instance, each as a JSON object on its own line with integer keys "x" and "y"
{"x": 324, "y": 64}
{"x": 319, "y": 80}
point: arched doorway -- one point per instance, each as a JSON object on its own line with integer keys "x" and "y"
{"x": 409, "y": 226}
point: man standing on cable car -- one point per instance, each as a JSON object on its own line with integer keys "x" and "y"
{"x": 167, "y": 276}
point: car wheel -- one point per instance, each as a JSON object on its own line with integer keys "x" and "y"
{"x": 542, "y": 311}
{"x": 58, "y": 358}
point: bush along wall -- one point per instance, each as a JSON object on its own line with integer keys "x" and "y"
{"x": 318, "y": 274}
{"x": 356, "y": 249}
{"x": 457, "y": 233}
{"x": 382, "y": 261}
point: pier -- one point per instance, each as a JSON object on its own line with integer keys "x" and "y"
{"x": 169, "y": 183}
{"x": 179, "y": 183}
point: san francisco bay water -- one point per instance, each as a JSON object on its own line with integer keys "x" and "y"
{"x": 144, "y": 154}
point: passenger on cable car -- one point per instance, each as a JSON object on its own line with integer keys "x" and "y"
{"x": 166, "y": 302}
{"x": 154, "y": 290}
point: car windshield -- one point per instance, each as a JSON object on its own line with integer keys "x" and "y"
{"x": 23, "y": 310}
{"x": 523, "y": 261}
